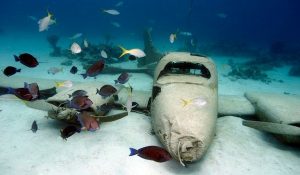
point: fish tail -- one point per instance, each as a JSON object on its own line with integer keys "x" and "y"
{"x": 16, "y": 58}
{"x": 18, "y": 70}
{"x": 84, "y": 76}
{"x": 10, "y": 90}
{"x": 49, "y": 14}
{"x": 185, "y": 102}
{"x": 133, "y": 151}
{"x": 57, "y": 84}
{"x": 97, "y": 91}
{"x": 116, "y": 81}
{"x": 124, "y": 51}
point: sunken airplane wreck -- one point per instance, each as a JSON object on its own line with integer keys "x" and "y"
{"x": 184, "y": 105}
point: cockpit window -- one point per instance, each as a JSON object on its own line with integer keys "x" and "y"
{"x": 186, "y": 68}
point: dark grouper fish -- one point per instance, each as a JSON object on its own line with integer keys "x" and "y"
{"x": 154, "y": 153}
{"x": 27, "y": 59}
{"x": 94, "y": 70}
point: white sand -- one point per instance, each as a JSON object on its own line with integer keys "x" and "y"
{"x": 235, "y": 150}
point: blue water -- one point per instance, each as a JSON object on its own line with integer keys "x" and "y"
{"x": 248, "y": 21}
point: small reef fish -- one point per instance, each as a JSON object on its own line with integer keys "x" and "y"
{"x": 33, "y": 89}
{"x": 87, "y": 121}
{"x": 115, "y": 24}
{"x": 75, "y": 48}
{"x": 85, "y": 43}
{"x": 172, "y": 37}
{"x": 185, "y": 33}
{"x": 135, "y": 52}
{"x": 77, "y": 35}
{"x": 200, "y": 101}
{"x": 79, "y": 102}
{"x": 66, "y": 84}
{"x": 45, "y": 22}
{"x": 154, "y": 153}
{"x": 69, "y": 131}
{"x": 94, "y": 70}
{"x": 119, "y": 4}
{"x": 27, "y": 60}
{"x": 123, "y": 78}
{"x": 106, "y": 90}
{"x": 129, "y": 104}
{"x": 54, "y": 70}
{"x": 34, "y": 127}
{"x": 112, "y": 12}
{"x": 103, "y": 54}
{"x": 73, "y": 70}
{"x": 78, "y": 93}
{"x": 9, "y": 71}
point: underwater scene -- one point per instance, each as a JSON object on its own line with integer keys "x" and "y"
{"x": 129, "y": 87}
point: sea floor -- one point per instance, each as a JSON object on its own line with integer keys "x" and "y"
{"x": 235, "y": 150}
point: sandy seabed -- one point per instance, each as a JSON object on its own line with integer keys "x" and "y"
{"x": 235, "y": 150}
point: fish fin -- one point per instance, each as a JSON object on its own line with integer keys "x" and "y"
{"x": 25, "y": 85}
{"x": 185, "y": 102}
{"x": 124, "y": 51}
{"x": 54, "y": 21}
{"x": 16, "y": 58}
{"x": 84, "y": 76}
{"x": 133, "y": 151}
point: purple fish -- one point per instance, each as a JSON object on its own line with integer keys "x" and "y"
{"x": 106, "y": 90}
{"x": 87, "y": 121}
{"x": 94, "y": 70}
{"x": 154, "y": 153}
{"x": 123, "y": 78}
{"x": 80, "y": 102}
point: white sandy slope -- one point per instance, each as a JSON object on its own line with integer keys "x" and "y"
{"x": 235, "y": 150}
